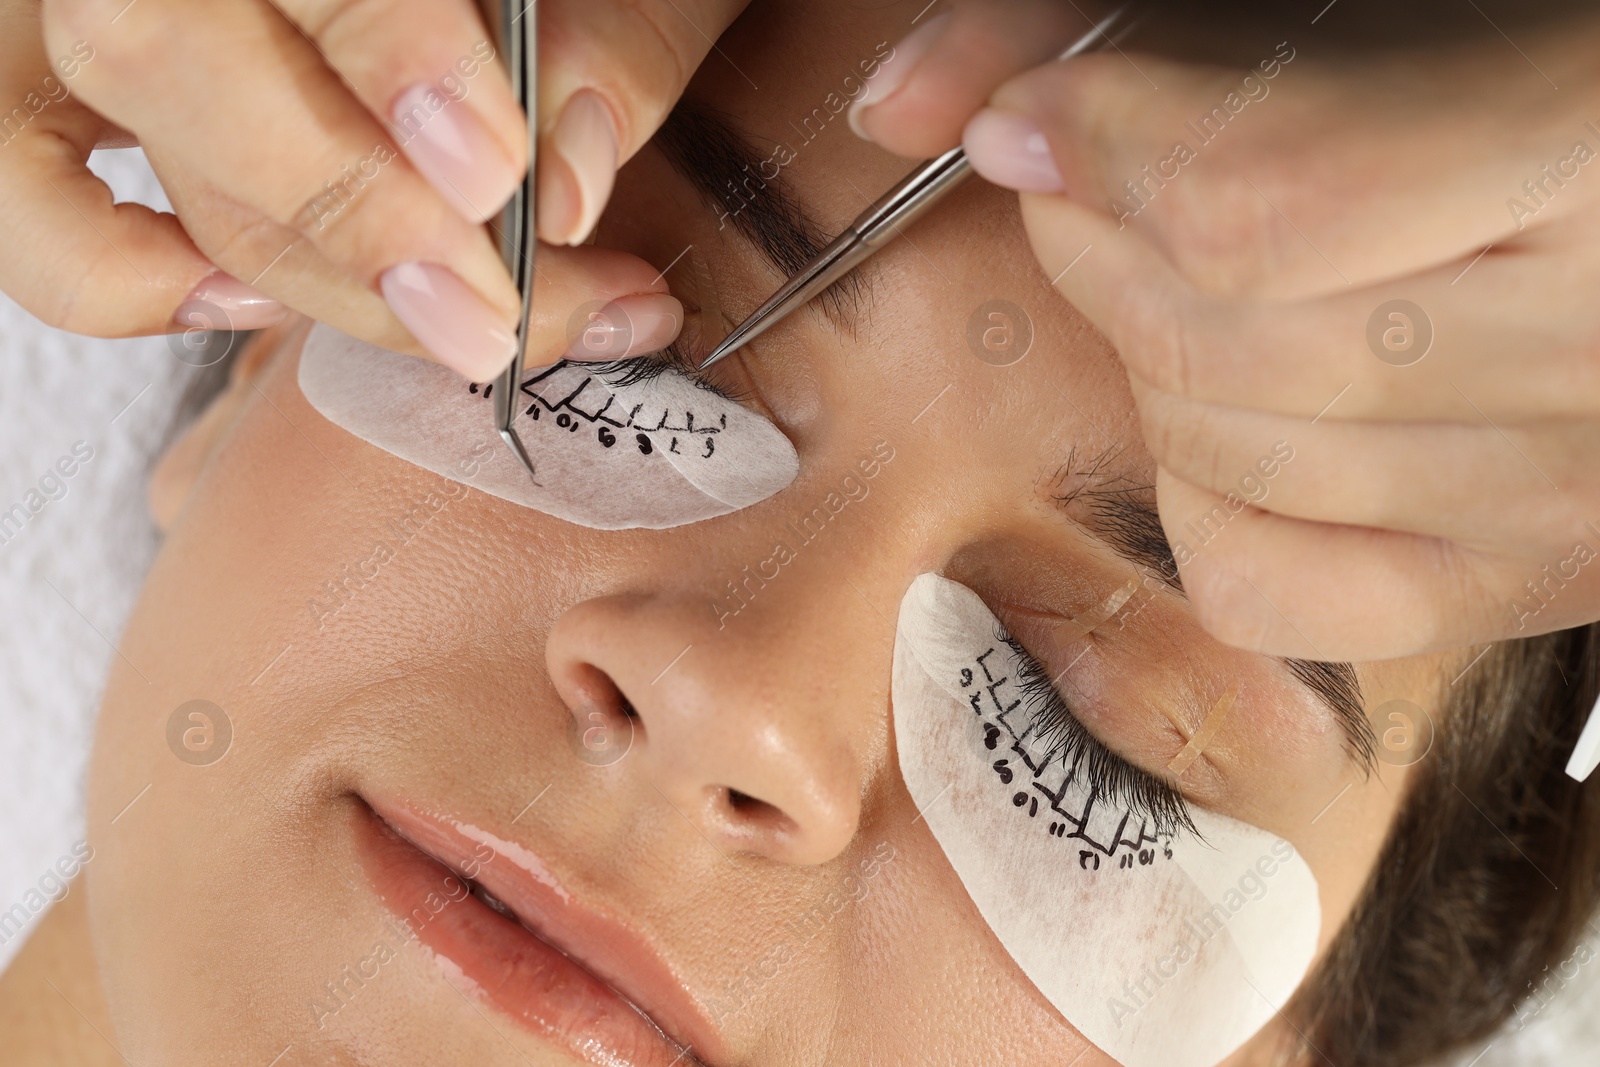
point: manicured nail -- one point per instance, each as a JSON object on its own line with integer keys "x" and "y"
{"x": 449, "y": 318}
{"x": 628, "y": 326}
{"x": 453, "y": 149}
{"x": 1010, "y": 150}
{"x": 893, "y": 72}
{"x": 223, "y": 302}
{"x": 576, "y": 174}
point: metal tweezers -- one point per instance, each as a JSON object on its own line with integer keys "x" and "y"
{"x": 879, "y": 224}
{"x": 513, "y": 24}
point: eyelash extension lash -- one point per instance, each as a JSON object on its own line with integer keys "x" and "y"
{"x": 640, "y": 369}
{"x": 1137, "y": 791}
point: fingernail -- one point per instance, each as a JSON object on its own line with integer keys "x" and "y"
{"x": 893, "y": 72}
{"x": 1010, "y": 149}
{"x": 447, "y": 142}
{"x": 223, "y": 302}
{"x": 576, "y": 174}
{"x": 449, "y": 318}
{"x": 628, "y": 326}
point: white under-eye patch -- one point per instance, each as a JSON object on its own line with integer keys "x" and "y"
{"x": 1165, "y": 949}
{"x": 654, "y": 454}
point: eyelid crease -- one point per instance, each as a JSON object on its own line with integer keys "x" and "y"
{"x": 1084, "y": 624}
{"x": 1204, "y": 735}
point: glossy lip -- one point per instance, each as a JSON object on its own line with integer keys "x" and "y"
{"x": 569, "y": 972}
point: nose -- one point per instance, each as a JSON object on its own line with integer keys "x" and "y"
{"x": 735, "y": 725}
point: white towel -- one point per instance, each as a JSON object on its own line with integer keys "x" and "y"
{"x": 69, "y": 576}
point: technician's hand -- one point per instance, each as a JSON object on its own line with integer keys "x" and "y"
{"x": 1356, "y": 304}
{"x": 338, "y": 159}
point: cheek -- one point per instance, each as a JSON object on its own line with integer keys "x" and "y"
{"x": 651, "y": 455}
{"x": 1151, "y": 945}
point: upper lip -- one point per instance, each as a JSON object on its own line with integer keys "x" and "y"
{"x": 603, "y": 944}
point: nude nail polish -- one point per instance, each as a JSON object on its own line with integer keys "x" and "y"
{"x": 577, "y": 172}
{"x": 628, "y": 326}
{"x": 450, "y": 319}
{"x": 222, "y": 302}
{"x": 1010, "y": 150}
{"x": 452, "y": 148}
{"x": 893, "y": 72}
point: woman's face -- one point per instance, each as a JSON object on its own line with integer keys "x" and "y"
{"x": 749, "y": 868}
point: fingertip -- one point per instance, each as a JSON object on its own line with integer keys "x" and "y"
{"x": 1011, "y": 150}
{"x": 456, "y": 325}
{"x": 892, "y": 73}
{"x": 577, "y": 169}
{"x": 223, "y": 302}
{"x": 453, "y": 148}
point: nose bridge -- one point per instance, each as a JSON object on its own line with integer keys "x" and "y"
{"x": 760, "y": 714}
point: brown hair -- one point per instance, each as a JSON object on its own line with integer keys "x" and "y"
{"x": 1489, "y": 874}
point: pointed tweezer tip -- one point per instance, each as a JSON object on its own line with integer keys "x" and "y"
{"x": 730, "y": 344}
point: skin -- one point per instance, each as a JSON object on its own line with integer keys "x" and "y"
{"x": 248, "y": 110}
{"x": 221, "y": 896}
{"x": 1444, "y": 489}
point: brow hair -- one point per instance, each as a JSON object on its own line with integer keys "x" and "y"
{"x": 708, "y": 150}
{"x": 1123, "y": 516}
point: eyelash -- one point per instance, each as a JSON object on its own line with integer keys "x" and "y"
{"x": 646, "y": 368}
{"x": 1131, "y": 788}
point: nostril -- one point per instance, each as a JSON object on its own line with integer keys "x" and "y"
{"x": 748, "y": 813}
{"x": 604, "y": 724}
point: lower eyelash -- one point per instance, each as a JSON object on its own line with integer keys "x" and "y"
{"x": 1108, "y": 775}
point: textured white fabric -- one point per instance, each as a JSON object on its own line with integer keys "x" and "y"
{"x": 92, "y": 545}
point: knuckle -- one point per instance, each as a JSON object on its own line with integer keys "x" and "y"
{"x": 241, "y": 244}
{"x": 334, "y": 21}
{"x": 69, "y": 294}
{"x": 1157, "y": 333}
{"x": 359, "y": 232}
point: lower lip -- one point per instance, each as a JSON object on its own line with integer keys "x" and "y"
{"x": 504, "y": 963}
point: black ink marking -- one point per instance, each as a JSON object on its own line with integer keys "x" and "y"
{"x": 1101, "y": 828}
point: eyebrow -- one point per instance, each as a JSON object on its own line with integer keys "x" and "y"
{"x": 708, "y": 150}
{"x": 1121, "y": 516}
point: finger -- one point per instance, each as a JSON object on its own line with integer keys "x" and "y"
{"x": 277, "y": 258}
{"x": 609, "y": 74}
{"x": 74, "y": 258}
{"x": 1291, "y": 178}
{"x": 344, "y": 187}
{"x": 1473, "y": 484}
{"x": 1288, "y": 587}
{"x": 428, "y": 69}
{"x": 936, "y": 77}
{"x": 1430, "y": 347}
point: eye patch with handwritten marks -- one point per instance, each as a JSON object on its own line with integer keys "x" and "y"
{"x": 651, "y": 454}
{"x": 1166, "y": 948}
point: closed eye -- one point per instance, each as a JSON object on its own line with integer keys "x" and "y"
{"x": 1055, "y": 733}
